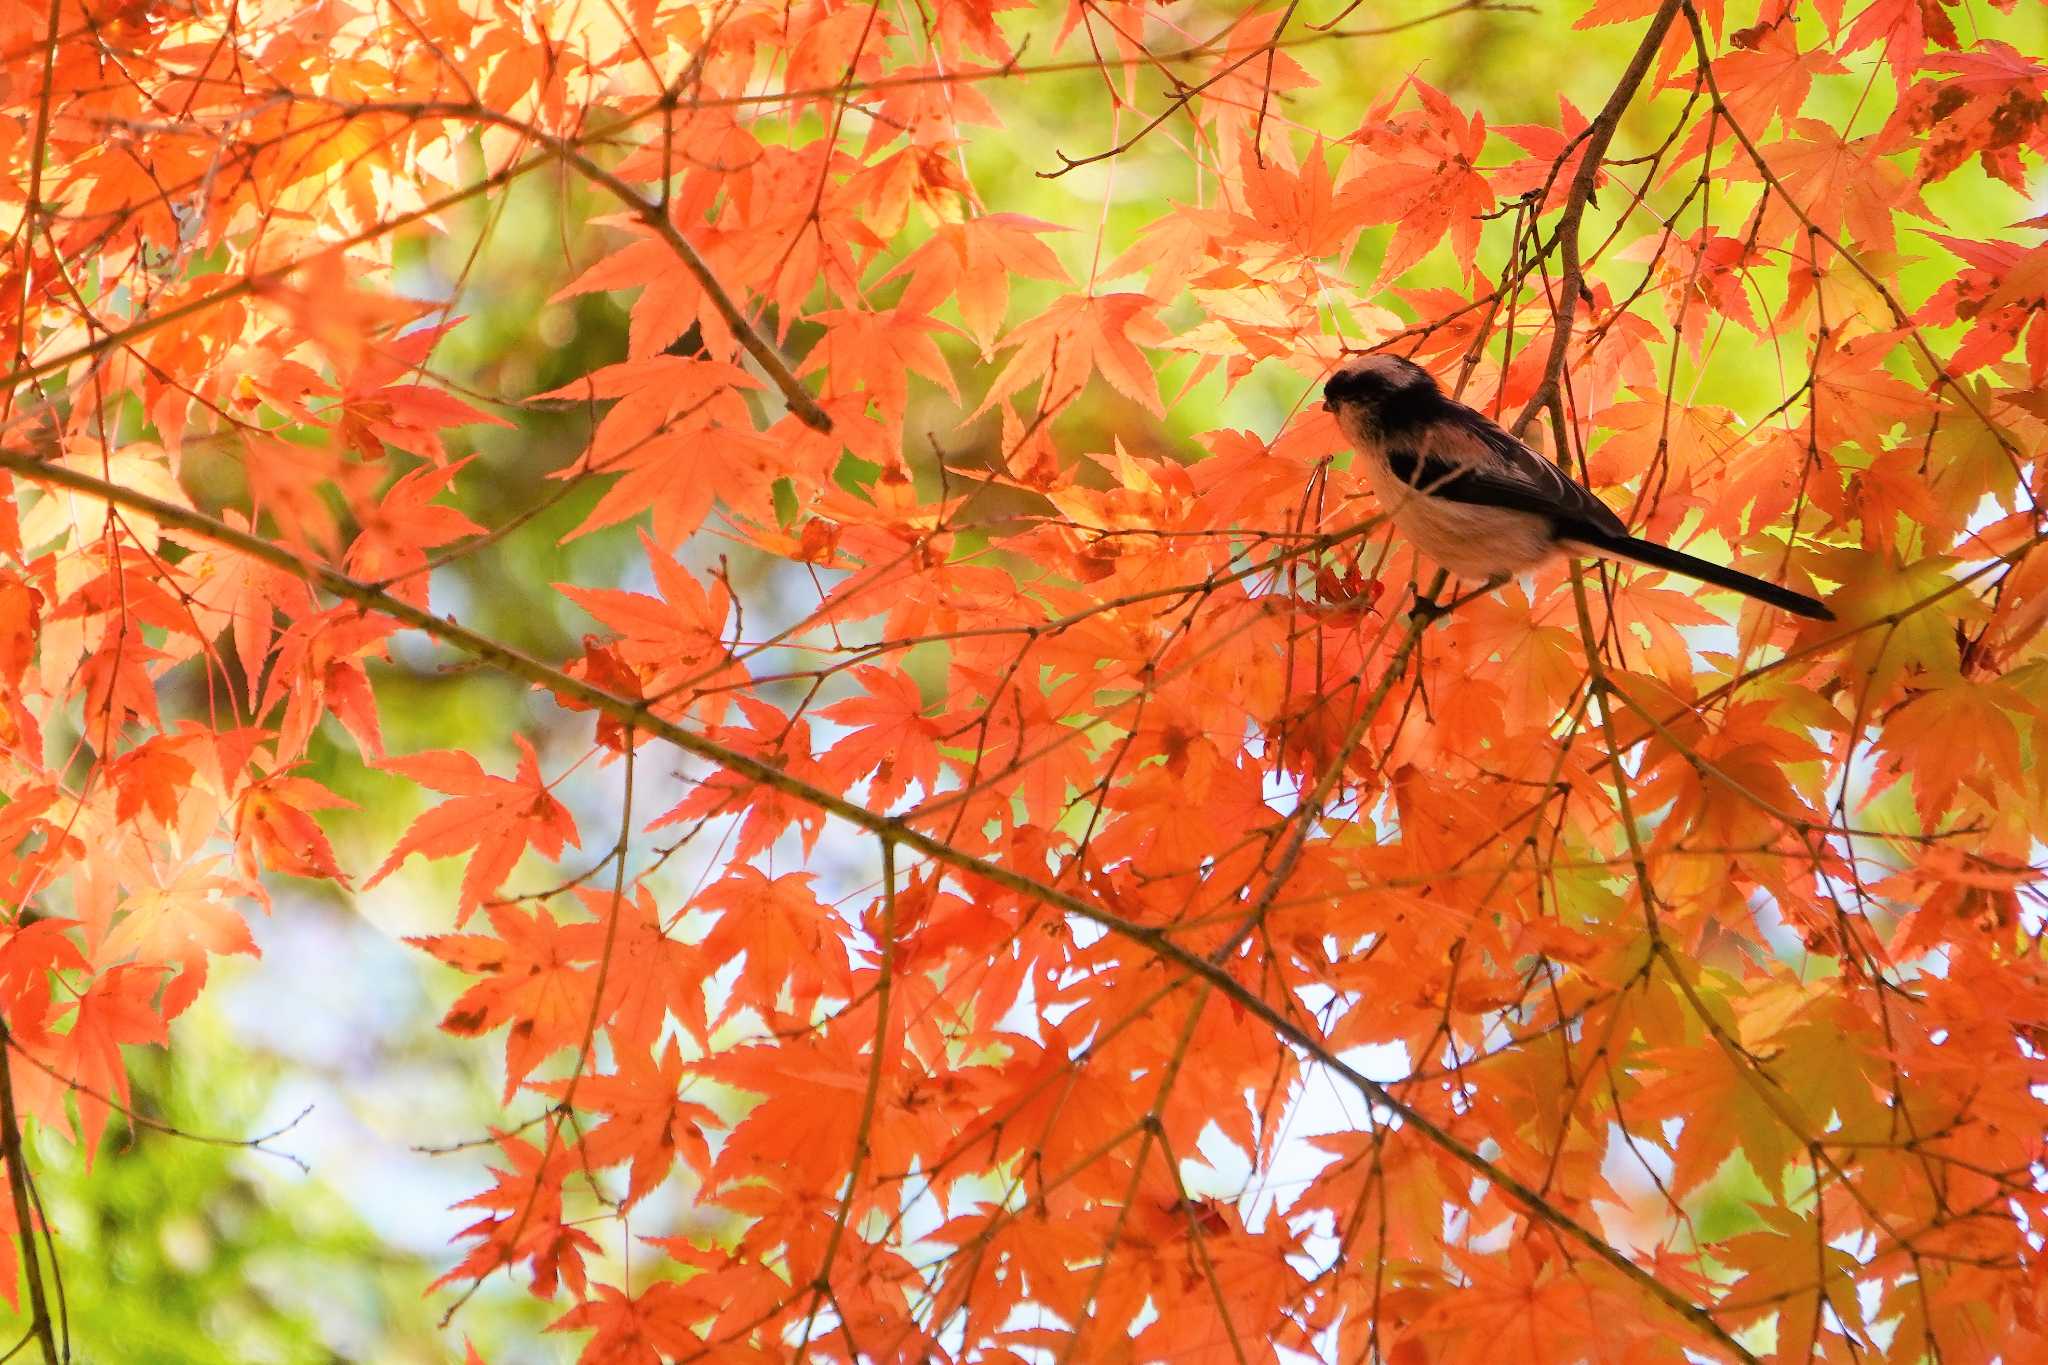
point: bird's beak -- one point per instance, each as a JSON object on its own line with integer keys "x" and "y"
{"x": 1329, "y": 405}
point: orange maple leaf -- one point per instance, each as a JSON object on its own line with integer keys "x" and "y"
{"x": 117, "y": 1010}
{"x": 648, "y": 1329}
{"x": 971, "y": 263}
{"x": 647, "y": 1123}
{"x": 499, "y": 818}
{"x": 892, "y": 737}
{"x": 1423, "y": 178}
{"x": 1077, "y": 336}
{"x": 537, "y": 976}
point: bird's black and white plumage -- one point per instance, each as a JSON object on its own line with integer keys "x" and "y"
{"x": 1481, "y": 503}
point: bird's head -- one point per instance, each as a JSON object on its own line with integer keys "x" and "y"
{"x": 1372, "y": 394}
{"x": 1373, "y": 379}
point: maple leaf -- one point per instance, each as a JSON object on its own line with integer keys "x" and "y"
{"x": 1172, "y": 248}
{"x": 1676, "y": 448}
{"x": 1854, "y": 398}
{"x": 1251, "y": 66}
{"x": 390, "y": 548}
{"x": 786, "y": 935}
{"x": 673, "y": 645}
{"x": 525, "y": 1223}
{"x": 1902, "y": 27}
{"x": 183, "y": 921}
{"x": 878, "y": 351}
{"x": 274, "y": 828}
{"x": 647, "y": 1124}
{"x": 892, "y": 738}
{"x": 498, "y": 818}
{"x": 376, "y": 406}
{"x": 537, "y": 978}
{"x": 318, "y": 668}
{"x": 69, "y": 518}
{"x": 655, "y": 975}
{"x": 929, "y": 175}
{"x": 1077, "y": 336}
{"x": 1767, "y": 77}
{"x": 32, "y": 843}
{"x": 29, "y": 953}
{"x": 773, "y": 738}
{"x": 229, "y": 591}
{"x": 663, "y": 438}
{"x": 1422, "y": 177}
{"x": 2002, "y": 293}
{"x": 972, "y": 23}
{"x": 1876, "y": 586}
{"x": 1962, "y": 731}
{"x": 1779, "y": 1263}
{"x": 1846, "y": 186}
{"x": 1992, "y": 107}
{"x": 780, "y": 239}
{"x": 116, "y": 1010}
{"x": 653, "y": 1327}
{"x": 150, "y": 776}
{"x": 1709, "y": 268}
{"x": 831, "y": 46}
{"x": 1293, "y": 216}
{"x": 117, "y": 683}
{"x": 287, "y": 485}
{"x": 971, "y": 263}
{"x": 672, "y": 300}
{"x": 1553, "y": 160}
{"x": 21, "y": 606}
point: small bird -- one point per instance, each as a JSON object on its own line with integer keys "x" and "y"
{"x": 1481, "y": 503}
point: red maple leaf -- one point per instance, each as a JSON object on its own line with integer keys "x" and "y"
{"x": 648, "y": 1329}
{"x": 787, "y": 936}
{"x": 773, "y": 738}
{"x": 971, "y": 263}
{"x": 115, "y": 1011}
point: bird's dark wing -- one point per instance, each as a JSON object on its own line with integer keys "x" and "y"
{"x": 1466, "y": 458}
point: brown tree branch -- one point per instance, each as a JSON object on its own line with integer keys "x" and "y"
{"x": 1566, "y": 235}
{"x": 40, "y": 1324}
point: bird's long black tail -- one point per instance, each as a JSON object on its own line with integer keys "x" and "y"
{"x": 1677, "y": 561}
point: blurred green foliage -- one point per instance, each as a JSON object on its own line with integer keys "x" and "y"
{"x": 175, "y": 1250}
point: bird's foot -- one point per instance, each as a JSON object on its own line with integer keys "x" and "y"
{"x": 1426, "y": 609}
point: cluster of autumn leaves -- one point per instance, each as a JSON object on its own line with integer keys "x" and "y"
{"x": 1055, "y": 860}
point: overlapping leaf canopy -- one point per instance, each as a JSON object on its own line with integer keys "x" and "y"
{"x": 1085, "y": 917}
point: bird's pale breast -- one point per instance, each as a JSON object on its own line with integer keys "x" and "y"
{"x": 1471, "y": 541}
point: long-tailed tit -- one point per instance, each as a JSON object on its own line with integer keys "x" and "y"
{"x": 1479, "y": 502}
